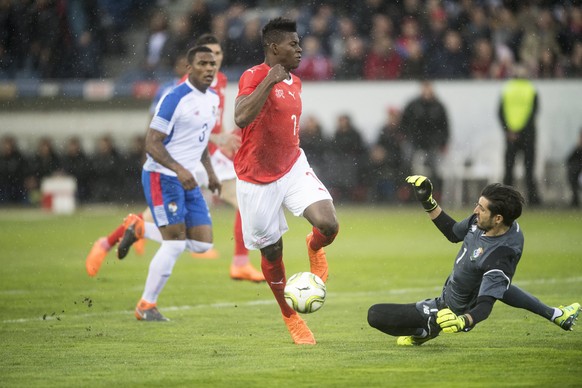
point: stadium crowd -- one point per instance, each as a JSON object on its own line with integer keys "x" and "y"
{"x": 353, "y": 170}
{"x": 359, "y": 40}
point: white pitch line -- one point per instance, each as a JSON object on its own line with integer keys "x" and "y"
{"x": 398, "y": 291}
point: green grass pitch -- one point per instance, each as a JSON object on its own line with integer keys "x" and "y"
{"x": 58, "y": 327}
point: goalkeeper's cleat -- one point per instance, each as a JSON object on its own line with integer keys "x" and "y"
{"x": 210, "y": 254}
{"x": 569, "y": 316}
{"x": 246, "y": 272}
{"x": 145, "y": 311}
{"x": 96, "y": 256}
{"x": 299, "y": 331}
{"x": 412, "y": 340}
{"x": 317, "y": 259}
{"x": 134, "y": 230}
{"x": 139, "y": 246}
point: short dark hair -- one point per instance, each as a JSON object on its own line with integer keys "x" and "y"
{"x": 275, "y": 29}
{"x": 505, "y": 201}
{"x": 195, "y": 50}
{"x": 207, "y": 38}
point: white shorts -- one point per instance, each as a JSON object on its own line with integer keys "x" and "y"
{"x": 223, "y": 168}
{"x": 262, "y": 206}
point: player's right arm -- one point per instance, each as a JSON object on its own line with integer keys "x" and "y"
{"x": 247, "y": 107}
{"x": 155, "y": 147}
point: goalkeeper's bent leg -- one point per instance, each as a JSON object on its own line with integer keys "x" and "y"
{"x": 397, "y": 319}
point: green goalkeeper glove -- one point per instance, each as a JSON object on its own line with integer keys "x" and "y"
{"x": 450, "y": 322}
{"x": 423, "y": 191}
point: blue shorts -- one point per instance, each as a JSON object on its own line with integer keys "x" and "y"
{"x": 171, "y": 204}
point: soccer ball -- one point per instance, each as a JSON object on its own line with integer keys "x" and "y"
{"x": 305, "y": 292}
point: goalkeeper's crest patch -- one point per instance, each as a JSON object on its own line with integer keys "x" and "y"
{"x": 476, "y": 253}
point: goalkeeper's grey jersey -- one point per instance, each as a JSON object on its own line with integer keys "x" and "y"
{"x": 484, "y": 265}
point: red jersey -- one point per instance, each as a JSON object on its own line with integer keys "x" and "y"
{"x": 219, "y": 86}
{"x": 270, "y": 143}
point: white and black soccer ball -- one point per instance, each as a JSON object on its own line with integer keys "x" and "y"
{"x": 305, "y": 292}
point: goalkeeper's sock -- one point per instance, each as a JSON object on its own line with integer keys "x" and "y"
{"x": 557, "y": 313}
{"x": 274, "y": 272}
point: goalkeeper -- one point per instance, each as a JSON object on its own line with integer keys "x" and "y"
{"x": 482, "y": 271}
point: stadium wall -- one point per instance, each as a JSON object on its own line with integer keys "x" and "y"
{"x": 472, "y": 107}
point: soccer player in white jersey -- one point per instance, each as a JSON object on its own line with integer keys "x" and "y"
{"x": 176, "y": 142}
{"x": 222, "y": 147}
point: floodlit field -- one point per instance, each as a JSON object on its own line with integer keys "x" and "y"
{"x": 58, "y": 327}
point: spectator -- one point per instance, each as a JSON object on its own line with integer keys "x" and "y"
{"x": 574, "y": 166}
{"x": 245, "y": 50}
{"x": 105, "y": 163}
{"x": 348, "y": 156}
{"x": 84, "y": 25}
{"x": 346, "y": 29}
{"x": 574, "y": 65}
{"x": 449, "y": 59}
{"x": 200, "y": 18}
{"x": 76, "y": 164}
{"x": 505, "y": 30}
{"x": 409, "y": 37}
{"x": 181, "y": 39}
{"x": 382, "y": 62}
{"x": 314, "y": 65}
{"x": 156, "y": 63}
{"x": 477, "y": 27}
{"x": 47, "y": 43}
{"x": 549, "y": 65}
{"x": 133, "y": 161}
{"x": 13, "y": 169}
{"x": 482, "y": 60}
{"x": 518, "y": 108}
{"x": 538, "y": 39}
{"x": 315, "y": 145}
{"x": 351, "y": 65}
{"x": 45, "y": 162}
{"x": 388, "y": 167}
{"x": 426, "y": 126}
{"x": 414, "y": 66}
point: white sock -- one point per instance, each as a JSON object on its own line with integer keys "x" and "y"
{"x": 161, "y": 268}
{"x": 198, "y": 246}
{"x": 557, "y": 313}
{"x": 151, "y": 232}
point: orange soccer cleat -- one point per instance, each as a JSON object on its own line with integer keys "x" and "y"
{"x": 139, "y": 246}
{"x": 96, "y": 256}
{"x": 134, "y": 230}
{"x": 317, "y": 259}
{"x": 246, "y": 272}
{"x": 299, "y": 331}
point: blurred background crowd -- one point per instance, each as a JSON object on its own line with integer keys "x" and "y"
{"x": 131, "y": 40}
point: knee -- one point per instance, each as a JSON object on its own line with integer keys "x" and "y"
{"x": 330, "y": 228}
{"x": 273, "y": 252}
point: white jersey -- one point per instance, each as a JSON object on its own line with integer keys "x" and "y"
{"x": 187, "y": 116}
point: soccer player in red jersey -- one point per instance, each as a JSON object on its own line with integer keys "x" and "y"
{"x": 222, "y": 147}
{"x": 272, "y": 170}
